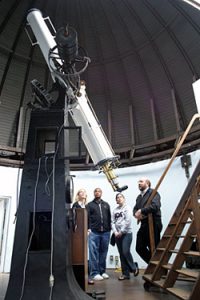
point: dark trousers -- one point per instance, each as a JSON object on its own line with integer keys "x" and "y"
{"x": 143, "y": 240}
{"x": 123, "y": 246}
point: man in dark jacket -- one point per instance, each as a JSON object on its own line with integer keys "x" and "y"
{"x": 140, "y": 212}
{"x": 99, "y": 226}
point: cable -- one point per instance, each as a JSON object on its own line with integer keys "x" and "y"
{"x": 18, "y": 173}
{"x": 72, "y": 184}
{"x": 47, "y": 189}
{"x": 51, "y": 276}
{"x": 33, "y": 230}
{"x": 71, "y": 76}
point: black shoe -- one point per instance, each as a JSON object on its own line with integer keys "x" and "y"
{"x": 123, "y": 277}
{"x": 147, "y": 285}
{"x": 136, "y": 269}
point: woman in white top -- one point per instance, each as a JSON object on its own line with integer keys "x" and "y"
{"x": 122, "y": 229}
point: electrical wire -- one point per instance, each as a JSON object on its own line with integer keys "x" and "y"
{"x": 18, "y": 173}
{"x": 47, "y": 189}
{"x": 51, "y": 276}
{"x": 72, "y": 78}
{"x": 72, "y": 187}
{"x": 33, "y": 229}
{"x": 52, "y": 173}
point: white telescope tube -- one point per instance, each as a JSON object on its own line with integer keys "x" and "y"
{"x": 81, "y": 111}
{"x": 92, "y": 133}
{"x": 43, "y": 36}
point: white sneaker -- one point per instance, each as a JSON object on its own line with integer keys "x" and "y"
{"x": 98, "y": 277}
{"x": 105, "y": 276}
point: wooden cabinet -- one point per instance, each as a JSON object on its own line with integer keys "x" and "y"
{"x": 80, "y": 249}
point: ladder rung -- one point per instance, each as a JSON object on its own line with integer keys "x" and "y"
{"x": 192, "y": 253}
{"x": 189, "y": 273}
{"x": 184, "y": 278}
{"x": 154, "y": 262}
{"x": 182, "y": 294}
{"x": 147, "y": 276}
{"x": 174, "y": 224}
{"x": 177, "y": 236}
{"x": 168, "y": 266}
{"x": 181, "y": 230}
{"x": 159, "y": 283}
{"x": 186, "y": 222}
{"x": 174, "y": 250}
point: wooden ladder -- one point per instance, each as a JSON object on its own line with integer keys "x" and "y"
{"x": 167, "y": 268}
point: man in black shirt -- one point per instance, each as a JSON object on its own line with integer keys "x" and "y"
{"x": 99, "y": 226}
{"x": 140, "y": 212}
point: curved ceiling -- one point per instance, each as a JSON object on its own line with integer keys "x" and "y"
{"x": 145, "y": 55}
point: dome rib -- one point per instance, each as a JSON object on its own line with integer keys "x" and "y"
{"x": 145, "y": 55}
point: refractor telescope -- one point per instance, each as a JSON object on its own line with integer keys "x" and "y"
{"x": 62, "y": 57}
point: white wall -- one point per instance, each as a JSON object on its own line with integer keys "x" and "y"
{"x": 8, "y": 189}
{"x": 170, "y": 190}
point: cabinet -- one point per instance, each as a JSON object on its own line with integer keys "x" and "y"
{"x": 80, "y": 248}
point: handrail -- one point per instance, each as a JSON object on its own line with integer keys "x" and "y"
{"x": 179, "y": 144}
